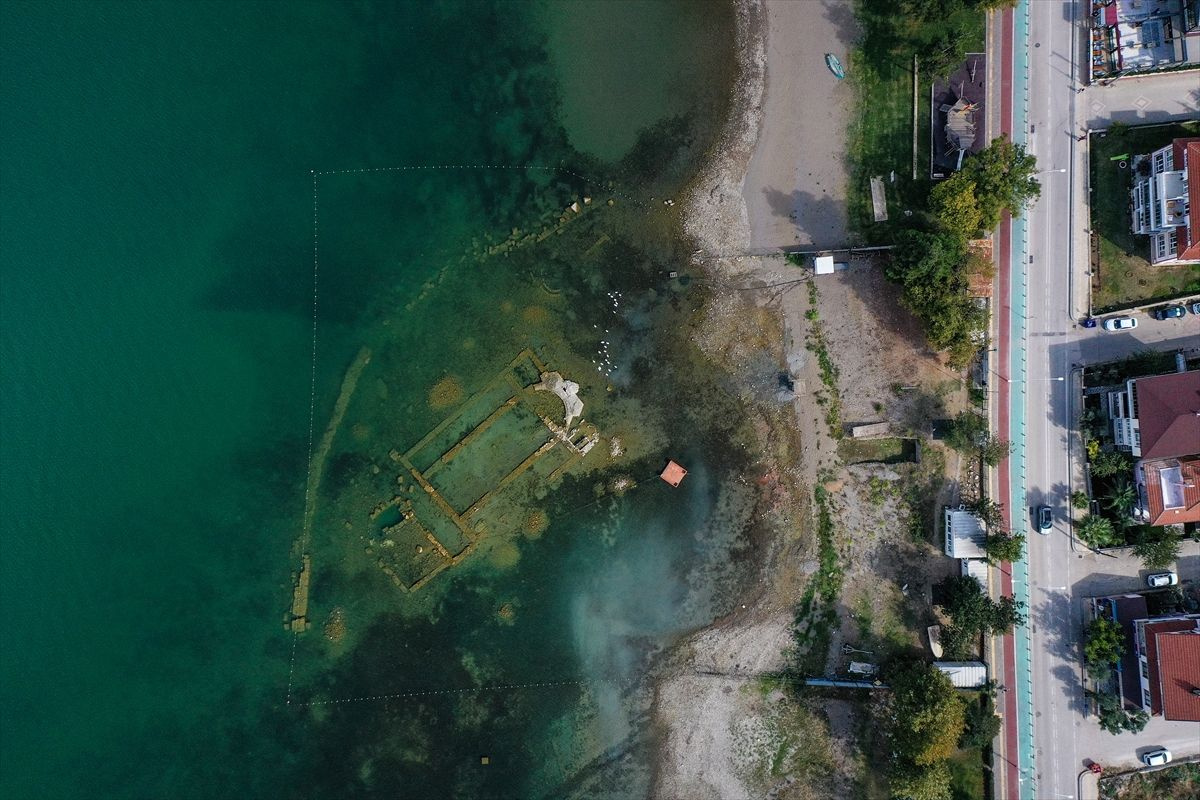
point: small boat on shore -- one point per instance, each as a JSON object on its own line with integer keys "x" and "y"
{"x": 834, "y": 65}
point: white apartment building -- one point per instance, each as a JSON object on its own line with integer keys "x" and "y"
{"x": 1162, "y": 201}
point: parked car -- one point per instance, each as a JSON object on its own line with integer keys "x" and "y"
{"x": 1162, "y": 579}
{"x": 1156, "y": 758}
{"x": 1045, "y": 518}
{"x": 1195, "y": 308}
{"x": 1120, "y": 324}
{"x": 1168, "y": 312}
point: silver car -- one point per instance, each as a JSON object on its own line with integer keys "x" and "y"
{"x": 1156, "y": 758}
{"x": 1160, "y": 579}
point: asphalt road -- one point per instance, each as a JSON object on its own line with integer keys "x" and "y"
{"x": 1060, "y": 577}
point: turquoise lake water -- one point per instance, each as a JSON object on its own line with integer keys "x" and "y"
{"x": 161, "y": 169}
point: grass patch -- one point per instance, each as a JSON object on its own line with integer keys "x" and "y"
{"x": 881, "y": 615}
{"x": 881, "y": 135}
{"x": 1124, "y": 274}
{"x": 966, "y": 775}
{"x": 921, "y": 493}
{"x": 816, "y": 614}
{"x": 889, "y": 450}
{"x": 828, "y": 397}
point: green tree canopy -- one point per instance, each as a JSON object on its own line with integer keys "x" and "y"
{"x": 1003, "y": 176}
{"x": 1104, "y": 643}
{"x": 954, "y": 206}
{"x": 1002, "y": 547}
{"x": 975, "y": 612}
{"x": 967, "y": 431}
{"x": 1157, "y": 549}
{"x": 1007, "y": 613}
{"x": 990, "y": 513}
{"x": 933, "y": 270}
{"x": 928, "y": 714}
{"x": 1096, "y": 531}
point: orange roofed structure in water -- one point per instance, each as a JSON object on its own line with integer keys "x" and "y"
{"x": 673, "y": 474}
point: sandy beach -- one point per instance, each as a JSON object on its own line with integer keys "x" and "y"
{"x": 795, "y": 183}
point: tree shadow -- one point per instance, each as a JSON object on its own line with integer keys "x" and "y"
{"x": 841, "y": 14}
{"x": 821, "y": 221}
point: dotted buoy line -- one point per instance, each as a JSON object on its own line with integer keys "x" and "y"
{"x": 434, "y": 692}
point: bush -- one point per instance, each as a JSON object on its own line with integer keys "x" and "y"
{"x": 1103, "y": 646}
{"x": 1105, "y": 464}
{"x": 967, "y": 431}
{"x": 1157, "y": 550}
{"x": 1079, "y": 500}
{"x": 982, "y": 725}
{"x": 1114, "y": 718}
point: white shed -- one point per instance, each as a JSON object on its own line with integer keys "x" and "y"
{"x": 976, "y": 568}
{"x": 965, "y": 534}
{"x": 964, "y": 674}
{"x": 823, "y": 265}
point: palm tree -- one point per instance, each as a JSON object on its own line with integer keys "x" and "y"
{"x": 1096, "y": 531}
{"x": 1120, "y": 498}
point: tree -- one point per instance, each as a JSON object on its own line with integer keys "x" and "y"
{"x": 933, "y": 271}
{"x": 1104, "y": 643}
{"x": 993, "y": 450}
{"x": 912, "y": 782}
{"x": 1007, "y": 613}
{"x": 989, "y": 512}
{"x": 1157, "y": 550}
{"x": 966, "y": 432}
{"x": 927, "y": 712}
{"x": 1003, "y": 176}
{"x": 974, "y": 612}
{"x": 1112, "y": 714}
{"x": 1105, "y": 464}
{"x": 1096, "y": 531}
{"x": 1120, "y": 498}
{"x": 954, "y": 206}
{"x": 1002, "y": 547}
{"x": 982, "y": 725}
{"x": 1079, "y": 500}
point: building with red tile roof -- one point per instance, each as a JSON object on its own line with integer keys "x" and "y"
{"x": 1157, "y": 419}
{"x": 1168, "y": 652}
